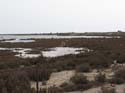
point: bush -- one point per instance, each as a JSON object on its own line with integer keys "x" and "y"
{"x": 52, "y": 89}
{"x": 64, "y": 84}
{"x": 121, "y": 58}
{"x": 68, "y": 87}
{"x": 101, "y": 78}
{"x": 79, "y": 79}
{"x": 14, "y": 82}
{"x": 98, "y": 60}
{"x": 40, "y": 74}
{"x": 119, "y": 76}
{"x": 83, "y": 68}
{"x": 108, "y": 89}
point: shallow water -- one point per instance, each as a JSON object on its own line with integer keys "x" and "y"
{"x": 29, "y": 38}
{"x": 22, "y": 52}
{"x": 61, "y": 51}
{"x": 52, "y": 52}
{"x": 18, "y": 40}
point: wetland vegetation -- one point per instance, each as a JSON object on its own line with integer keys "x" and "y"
{"x": 101, "y": 64}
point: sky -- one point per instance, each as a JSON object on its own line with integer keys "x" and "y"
{"x": 44, "y": 16}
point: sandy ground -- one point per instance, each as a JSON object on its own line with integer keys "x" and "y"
{"x": 91, "y": 75}
{"x": 56, "y": 79}
{"x": 59, "y": 78}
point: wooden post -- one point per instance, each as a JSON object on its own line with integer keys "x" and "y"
{"x": 37, "y": 86}
{"x": 47, "y": 90}
{"x": 37, "y": 79}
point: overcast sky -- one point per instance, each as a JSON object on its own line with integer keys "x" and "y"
{"x": 38, "y": 16}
